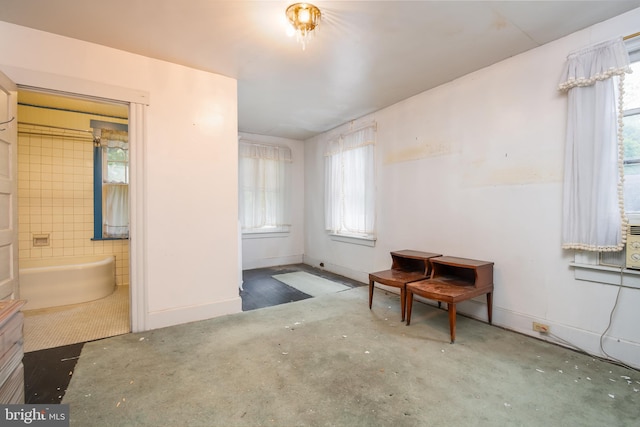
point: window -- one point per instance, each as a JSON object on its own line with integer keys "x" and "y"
{"x": 350, "y": 184}
{"x": 264, "y": 183}
{"x": 632, "y": 136}
{"x": 631, "y": 158}
{"x": 111, "y": 182}
{"x": 605, "y": 267}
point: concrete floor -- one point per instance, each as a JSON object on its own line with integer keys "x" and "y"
{"x": 330, "y": 361}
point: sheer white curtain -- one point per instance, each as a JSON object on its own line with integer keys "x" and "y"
{"x": 350, "y": 183}
{"x": 333, "y": 183}
{"x": 265, "y": 196}
{"x": 593, "y": 207}
{"x": 115, "y": 183}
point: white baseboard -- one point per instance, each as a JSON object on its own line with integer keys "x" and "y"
{"x": 588, "y": 342}
{"x": 338, "y": 269}
{"x": 271, "y": 262}
{"x": 177, "y": 316}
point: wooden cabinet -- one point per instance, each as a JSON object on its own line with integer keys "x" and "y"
{"x": 11, "y": 352}
{"x": 454, "y": 280}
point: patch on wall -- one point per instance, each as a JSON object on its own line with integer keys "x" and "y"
{"x": 484, "y": 173}
{"x": 417, "y": 152}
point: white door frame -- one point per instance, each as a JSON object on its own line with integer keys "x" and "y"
{"x": 9, "y": 280}
{"x": 138, "y": 101}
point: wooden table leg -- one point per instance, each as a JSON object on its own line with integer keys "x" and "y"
{"x": 489, "y": 306}
{"x": 409, "y": 305}
{"x": 370, "y": 293}
{"x": 403, "y": 297}
{"x": 452, "y": 321}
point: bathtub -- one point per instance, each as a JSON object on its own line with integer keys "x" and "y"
{"x": 51, "y": 282}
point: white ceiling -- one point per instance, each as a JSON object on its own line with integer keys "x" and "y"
{"x": 366, "y": 55}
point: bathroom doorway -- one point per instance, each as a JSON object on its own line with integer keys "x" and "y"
{"x": 58, "y": 193}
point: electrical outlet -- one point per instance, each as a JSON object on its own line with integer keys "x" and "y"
{"x": 541, "y": 327}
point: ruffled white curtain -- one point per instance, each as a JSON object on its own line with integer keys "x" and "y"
{"x": 265, "y": 196}
{"x": 116, "y": 211}
{"x": 593, "y": 206}
{"x": 115, "y": 183}
{"x": 350, "y": 183}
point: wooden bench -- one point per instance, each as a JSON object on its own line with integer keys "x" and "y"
{"x": 454, "y": 280}
{"x": 406, "y": 266}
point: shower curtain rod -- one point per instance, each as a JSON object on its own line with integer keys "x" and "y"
{"x": 61, "y": 131}
{"x": 68, "y": 136}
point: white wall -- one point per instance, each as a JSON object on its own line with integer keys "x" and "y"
{"x": 189, "y": 210}
{"x": 473, "y": 168}
{"x": 284, "y": 249}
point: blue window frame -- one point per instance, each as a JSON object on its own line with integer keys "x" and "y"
{"x": 110, "y": 182}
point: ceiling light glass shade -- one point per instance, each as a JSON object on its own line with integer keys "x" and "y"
{"x": 304, "y": 18}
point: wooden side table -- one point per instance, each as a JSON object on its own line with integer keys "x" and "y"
{"x": 407, "y": 266}
{"x": 454, "y": 280}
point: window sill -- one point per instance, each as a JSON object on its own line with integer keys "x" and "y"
{"x": 353, "y": 239}
{"x": 99, "y": 239}
{"x": 627, "y": 278}
{"x": 264, "y": 234}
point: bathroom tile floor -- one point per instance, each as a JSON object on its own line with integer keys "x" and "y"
{"x": 75, "y": 323}
{"x": 48, "y": 372}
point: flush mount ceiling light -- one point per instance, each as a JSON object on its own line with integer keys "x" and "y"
{"x": 303, "y": 18}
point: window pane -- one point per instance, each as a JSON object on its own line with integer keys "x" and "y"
{"x": 117, "y": 154}
{"x": 116, "y": 173}
{"x": 263, "y": 184}
{"x": 632, "y": 87}
{"x": 117, "y": 166}
{"x": 354, "y": 190}
{"x": 632, "y": 167}
{"x": 357, "y": 190}
{"x": 631, "y": 134}
{"x": 632, "y": 188}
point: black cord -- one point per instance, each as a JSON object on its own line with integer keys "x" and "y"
{"x": 5, "y": 122}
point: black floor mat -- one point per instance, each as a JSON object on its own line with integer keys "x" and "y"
{"x": 47, "y": 373}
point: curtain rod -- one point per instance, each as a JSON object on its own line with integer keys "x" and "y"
{"x": 630, "y": 36}
{"x": 262, "y": 144}
{"x": 57, "y": 135}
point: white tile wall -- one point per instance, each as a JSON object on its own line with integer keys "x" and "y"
{"x": 55, "y": 197}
